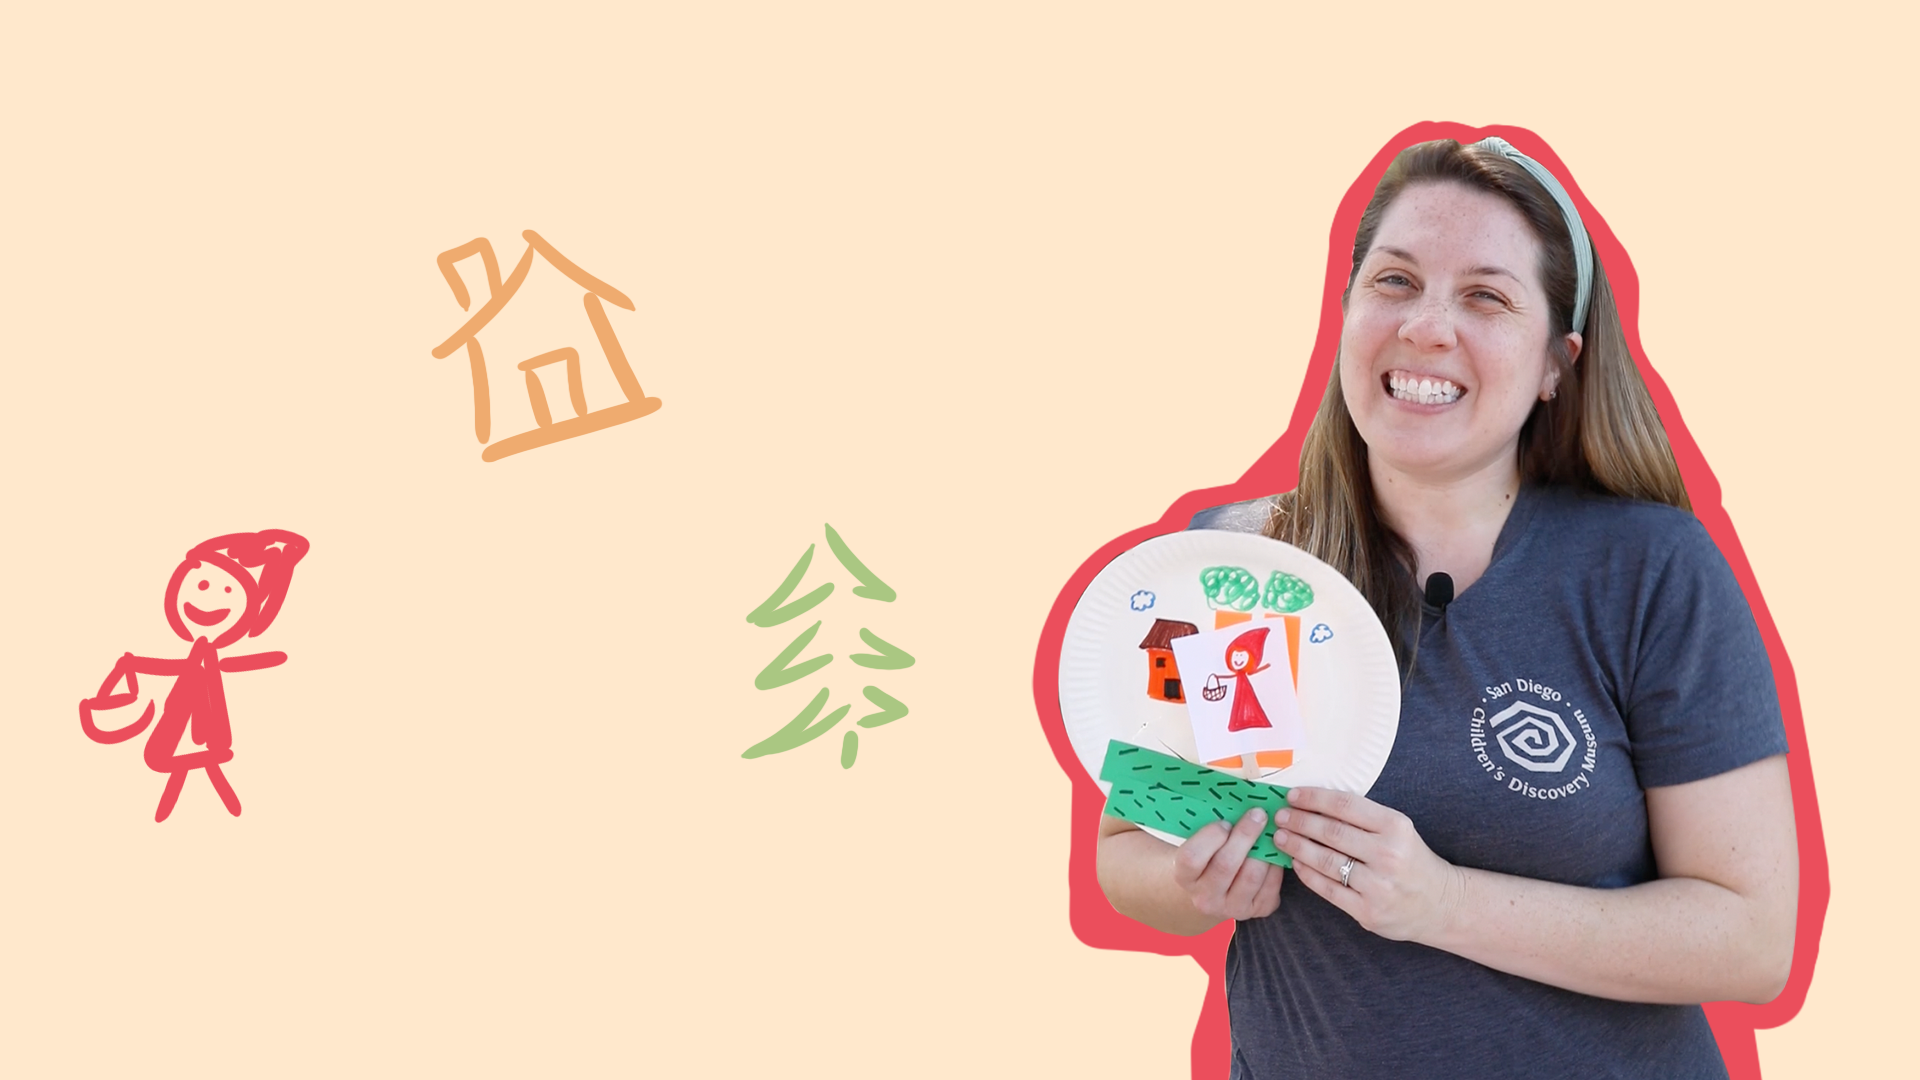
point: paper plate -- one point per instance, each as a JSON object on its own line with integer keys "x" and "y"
{"x": 1114, "y": 684}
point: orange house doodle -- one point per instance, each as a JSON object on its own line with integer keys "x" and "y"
{"x": 1163, "y": 672}
{"x": 598, "y": 294}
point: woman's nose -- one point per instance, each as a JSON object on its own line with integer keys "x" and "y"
{"x": 1430, "y": 326}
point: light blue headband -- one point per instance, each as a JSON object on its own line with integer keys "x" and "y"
{"x": 1582, "y": 248}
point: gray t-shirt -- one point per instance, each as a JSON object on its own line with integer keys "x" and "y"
{"x": 1607, "y": 649}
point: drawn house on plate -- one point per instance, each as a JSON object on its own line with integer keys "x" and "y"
{"x": 1163, "y": 674}
{"x": 500, "y": 293}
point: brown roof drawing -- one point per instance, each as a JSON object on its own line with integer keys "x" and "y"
{"x": 1164, "y": 631}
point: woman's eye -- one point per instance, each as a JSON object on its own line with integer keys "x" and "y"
{"x": 1494, "y": 297}
{"x": 1396, "y": 280}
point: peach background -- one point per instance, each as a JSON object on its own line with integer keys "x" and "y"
{"x": 964, "y": 282}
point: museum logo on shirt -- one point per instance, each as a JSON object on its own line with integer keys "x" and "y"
{"x": 1530, "y": 740}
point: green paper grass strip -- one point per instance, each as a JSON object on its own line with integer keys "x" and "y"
{"x": 1166, "y": 793}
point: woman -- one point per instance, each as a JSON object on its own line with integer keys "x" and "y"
{"x": 1585, "y": 827}
{"x": 202, "y": 607}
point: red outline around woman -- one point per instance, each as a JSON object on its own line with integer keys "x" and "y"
{"x": 194, "y": 732}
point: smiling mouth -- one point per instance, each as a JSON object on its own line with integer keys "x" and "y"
{"x": 1420, "y": 389}
{"x": 206, "y": 618}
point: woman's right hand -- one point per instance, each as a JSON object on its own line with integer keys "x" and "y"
{"x": 1212, "y": 868}
{"x": 1189, "y": 888}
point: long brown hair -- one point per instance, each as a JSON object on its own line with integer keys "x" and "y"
{"x": 1600, "y": 431}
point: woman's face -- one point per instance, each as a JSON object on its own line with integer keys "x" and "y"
{"x": 1444, "y": 347}
{"x": 210, "y": 603}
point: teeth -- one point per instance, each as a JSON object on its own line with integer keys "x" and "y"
{"x": 1423, "y": 391}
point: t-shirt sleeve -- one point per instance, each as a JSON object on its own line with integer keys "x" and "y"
{"x": 1702, "y": 699}
{"x": 1249, "y": 517}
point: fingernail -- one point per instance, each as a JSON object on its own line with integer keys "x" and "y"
{"x": 1280, "y": 838}
{"x": 1280, "y": 818}
{"x": 1259, "y": 816}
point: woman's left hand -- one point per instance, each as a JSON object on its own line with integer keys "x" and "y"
{"x": 1398, "y": 888}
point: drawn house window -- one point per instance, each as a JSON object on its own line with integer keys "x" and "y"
{"x": 1163, "y": 673}
{"x": 500, "y": 293}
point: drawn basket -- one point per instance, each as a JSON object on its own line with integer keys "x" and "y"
{"x": 1214, "y": 690}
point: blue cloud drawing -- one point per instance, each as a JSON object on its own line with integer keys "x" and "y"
{"x": 1142, "y": 600}
{"x": 1321, "y": 632}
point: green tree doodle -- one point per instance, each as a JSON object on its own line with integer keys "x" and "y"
{"x": 1286, "y": 594}
{"x": 1230, "y": 588}
{"x": 886, "y": 656}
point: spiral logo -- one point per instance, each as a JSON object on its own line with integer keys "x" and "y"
{"x": 1533, "y": 738}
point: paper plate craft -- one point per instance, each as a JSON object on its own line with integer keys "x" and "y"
{"x": 1255, "y": 663}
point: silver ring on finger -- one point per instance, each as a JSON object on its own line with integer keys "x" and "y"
{"x": 1346, "y": 871}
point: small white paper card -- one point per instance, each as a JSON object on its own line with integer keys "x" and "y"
{"x": 1239, "y": 690}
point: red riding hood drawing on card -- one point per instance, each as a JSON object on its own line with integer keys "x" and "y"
{"x": 227, "y": 588}
{"x": 1246, "y": 719}
{"x": 1243, "y": 660}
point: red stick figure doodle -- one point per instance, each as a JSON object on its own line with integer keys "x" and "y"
{"x": 203, "y": 608}
{"x": 1243, "y": 660}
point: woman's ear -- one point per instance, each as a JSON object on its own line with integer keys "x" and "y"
{"x": 1550, "y": 386}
